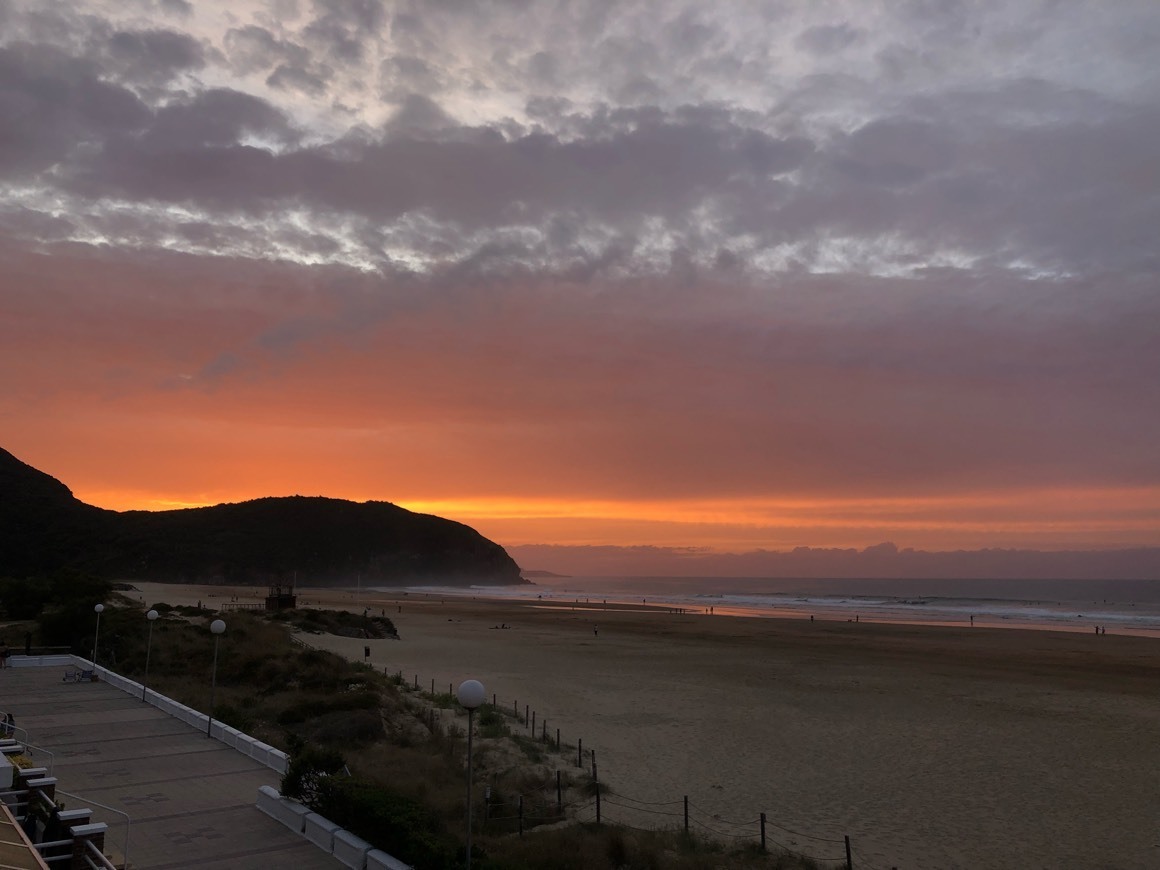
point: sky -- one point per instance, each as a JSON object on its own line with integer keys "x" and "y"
{"x": 723, "y": 276}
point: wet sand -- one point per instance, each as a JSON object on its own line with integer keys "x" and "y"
{"x": 930, "y": 747}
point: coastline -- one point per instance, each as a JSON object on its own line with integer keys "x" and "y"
{"x": 929, "y": 746}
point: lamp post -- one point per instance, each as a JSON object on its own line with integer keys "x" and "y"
{"x": 218, "y": 628}
{"x": 471, "y": 694}
{"x": 99, "y": 609}
{"x": 152, "y": 617}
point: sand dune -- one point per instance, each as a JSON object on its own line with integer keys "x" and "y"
{"x": 929, "y": 747}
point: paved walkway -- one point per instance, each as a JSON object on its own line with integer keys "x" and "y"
{"x": 191, "y": 799}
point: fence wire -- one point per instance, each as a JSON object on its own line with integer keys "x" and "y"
{"x": 583, "y": 809}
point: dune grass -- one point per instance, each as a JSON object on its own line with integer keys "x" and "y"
{"x": 385, "y": 759}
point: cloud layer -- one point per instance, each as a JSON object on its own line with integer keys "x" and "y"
{"x": 643, "y": 254}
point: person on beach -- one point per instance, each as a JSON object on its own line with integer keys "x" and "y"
{"x": 4, "y": 652}
{"x": 596, "y": 631}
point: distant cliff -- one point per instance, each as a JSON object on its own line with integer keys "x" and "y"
{"x": 320, "y": 541}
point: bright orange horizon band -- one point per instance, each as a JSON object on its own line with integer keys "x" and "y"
{"x": 1130, "y": 516}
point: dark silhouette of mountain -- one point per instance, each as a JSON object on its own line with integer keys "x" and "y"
{"x": 317, "y": 541}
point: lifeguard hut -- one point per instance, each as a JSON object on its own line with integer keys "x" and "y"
{"x": 280, "y": 599}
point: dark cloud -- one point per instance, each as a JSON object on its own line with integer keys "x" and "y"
{"x": 52, "y": 105}
{"x": 342, "y": 28}
{"x": 178, "y": 8}
{"x": 153, "y": 56}
{"x": 418, "y": 116}
{"x": 213, "y": 119}
{"x": 406, "y": 74}
{"x": 913, "y": 246}
{"x": 310, "y": 81}
{"x": 828, "y": 38}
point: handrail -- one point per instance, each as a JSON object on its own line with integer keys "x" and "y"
{"x": 102, "y": 862}
{"x": 51, "y": 755}
{"x": 8, "y": 728}
{"x": 128, "y": 821}
{"x": 296, "y": 639}
{"x": 48, "y": 859}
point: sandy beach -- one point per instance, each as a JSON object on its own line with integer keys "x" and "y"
{"x": 929, "y": 747}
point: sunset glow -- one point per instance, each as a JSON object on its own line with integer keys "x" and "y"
{"x": 641, "y": 274}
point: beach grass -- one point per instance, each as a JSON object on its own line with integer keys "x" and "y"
{"x": 402, "y": 747}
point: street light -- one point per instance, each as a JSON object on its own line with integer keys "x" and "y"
{"x": 471, "y": 694}
{"x": 218, "y": 628}
{"x": 151, "y": 616}
{"x": 99, "y": 609}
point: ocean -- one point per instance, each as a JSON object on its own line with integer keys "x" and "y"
{"x": 1117, "y": 606}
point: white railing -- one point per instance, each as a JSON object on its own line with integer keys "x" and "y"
{"x": 96, "y": 859}
{"x": 128, "y": 821}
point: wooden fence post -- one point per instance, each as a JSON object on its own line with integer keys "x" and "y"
{"x": 579, "y": 751}
{"x": 594, "y": 764}
{"x": 598, "y": 803}
{"x": 849, "y": 858}
{"x": 763, "y": 832}
{"x": 686, "y": 814}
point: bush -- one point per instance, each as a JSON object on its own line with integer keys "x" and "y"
{"x": 308, "y": 767}
{"x": 391, "y": 822}
{"x": 314, "y": 707}
{"x": 229, "y": 715}
{"x": 346, "y": 728}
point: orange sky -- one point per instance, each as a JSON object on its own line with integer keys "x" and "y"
{"x": 497, "y": 418}
{"x": 827, "y": 278}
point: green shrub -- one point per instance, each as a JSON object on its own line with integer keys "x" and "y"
{"x": 396, "y": 824}
{"x": 314, "y": 707}
{"x": 230, "y": 715}
{"x": 308, "y": 767}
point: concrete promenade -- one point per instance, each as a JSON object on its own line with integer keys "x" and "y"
{"x": 190, "y": 798}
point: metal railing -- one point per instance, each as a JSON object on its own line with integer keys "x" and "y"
{"x": 96, "y": 860}
{"x": 128, "y": 820}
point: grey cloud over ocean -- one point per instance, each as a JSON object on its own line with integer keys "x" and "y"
{"x": 921, "y": 233}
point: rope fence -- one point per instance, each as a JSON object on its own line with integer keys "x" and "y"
{"x": 577, "y": 779}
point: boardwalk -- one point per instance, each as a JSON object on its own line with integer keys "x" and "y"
{"x": 191, "y": 799}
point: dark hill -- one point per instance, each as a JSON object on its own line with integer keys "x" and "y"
{"x": 319, "y": 541}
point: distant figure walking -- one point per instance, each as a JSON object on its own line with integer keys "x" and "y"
{"x": 972, "y": 619}
{"x": 596, "y": 631}
{"x": 4, "y": 656}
